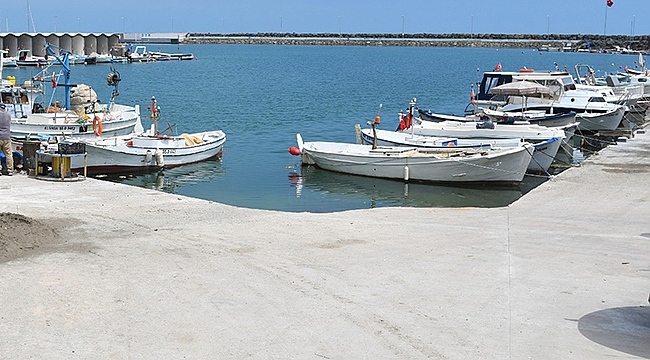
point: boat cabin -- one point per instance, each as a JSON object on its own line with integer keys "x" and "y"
{"x": 557, "y": 81}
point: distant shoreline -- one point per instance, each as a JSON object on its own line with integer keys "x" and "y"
{"x": 552, "y": 42}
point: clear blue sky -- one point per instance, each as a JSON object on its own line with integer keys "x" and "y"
{"x": 311, "y": 16}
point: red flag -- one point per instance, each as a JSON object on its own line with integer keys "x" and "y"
{"x": 498, "y": 67}
{"x": 53, "y": 81}
{"x": 610, "y": 3}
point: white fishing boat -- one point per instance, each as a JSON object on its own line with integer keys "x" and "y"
{"x": 146, "y": 152}
{"x": 140, "y": 152}
{"x": 485, "y": 129}
{"x": 544, "y": 151}
{"x": 449, "y": 165}
{"x": 81, "y": 115}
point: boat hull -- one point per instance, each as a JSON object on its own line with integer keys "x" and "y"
{"x": 68, "y": 124}
{"x": 139, "y": 153}
{"x": 600, "y": 121}
{"x": 466, "y": 130}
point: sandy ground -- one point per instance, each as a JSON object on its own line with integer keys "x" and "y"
{"x": 123, "y": 272}
{"x": 23, "y": 236}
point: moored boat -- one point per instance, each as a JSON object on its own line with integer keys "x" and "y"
{"x": 449, "y": 165}
{"x": 542, "y": 157}
{"x": 561, "y": 95}
{"x": 146, "y": 152}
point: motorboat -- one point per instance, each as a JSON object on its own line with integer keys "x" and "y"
{"x": 593, "y": 112}
{"x": 24, "y": 58}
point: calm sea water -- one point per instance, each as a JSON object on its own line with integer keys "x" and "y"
{"x": 261, "y": 96}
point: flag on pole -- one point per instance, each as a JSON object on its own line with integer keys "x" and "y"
{"x": 53, "y": 80}
{"x": 471, "y": 97}
{"x": 610, "y": 3}
{"x": 498, "y": 67}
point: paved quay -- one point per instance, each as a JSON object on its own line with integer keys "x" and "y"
{"x": 562, "y": 273}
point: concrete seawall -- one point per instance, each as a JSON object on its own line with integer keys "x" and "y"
{"x": 556, "y": 42}
{"x": 562, "y": 273}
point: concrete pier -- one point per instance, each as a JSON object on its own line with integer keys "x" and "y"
{"x": 563, "y": 273}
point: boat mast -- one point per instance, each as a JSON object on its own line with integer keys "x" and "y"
{"x": 29, "y": 17}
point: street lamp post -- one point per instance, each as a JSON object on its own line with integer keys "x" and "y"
{"x": 339, "y": 26}
{"x": 472, "y": 27}
{"x": 402, "y": 25}
{"x": 548, "y": 24}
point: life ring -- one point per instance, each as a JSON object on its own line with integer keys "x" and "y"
{"x": 97, "y": 126}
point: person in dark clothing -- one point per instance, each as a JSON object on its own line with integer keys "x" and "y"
{"x": 5, "y": 139}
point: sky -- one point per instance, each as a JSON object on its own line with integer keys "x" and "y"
{"x": 625, "y": 17}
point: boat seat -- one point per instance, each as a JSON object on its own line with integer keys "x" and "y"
{"x": 612, "y": 81}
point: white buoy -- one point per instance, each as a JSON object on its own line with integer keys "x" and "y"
{"x": 148, "y": 157}
{"x": 406, "y": 173}
{"x": 160, "y": 161}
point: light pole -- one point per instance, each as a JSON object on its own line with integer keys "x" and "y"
{"x": 548, "y": 24}
{"x": 280, "y": 23}
{"x": 472, "y": 27}
{"x": 402, "y": 25}
{"x": 339, "y": 26}
{"x": 55, "y": 23}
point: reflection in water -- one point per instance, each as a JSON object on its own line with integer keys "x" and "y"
{"x": 381, "y": 192}
{"x": 172, "y": 179}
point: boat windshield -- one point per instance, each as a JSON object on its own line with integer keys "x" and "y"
{"x": 596, "y": 99}
{"x": 568, "y": 83}
{"x": 489, "y": 82}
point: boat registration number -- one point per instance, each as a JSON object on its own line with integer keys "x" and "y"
{"x": 169, "y": 151}
{"x": 61, "y": 128}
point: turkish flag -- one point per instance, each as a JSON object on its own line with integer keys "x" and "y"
{"x": 53, "y": 81}
{"x": 610, "y": 3}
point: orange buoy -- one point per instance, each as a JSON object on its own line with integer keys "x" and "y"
{"x": 97, "y": 126}
{"x": 294, "y": 151}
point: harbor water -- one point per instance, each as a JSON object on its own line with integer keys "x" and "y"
{"x": 262, "y": 95}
